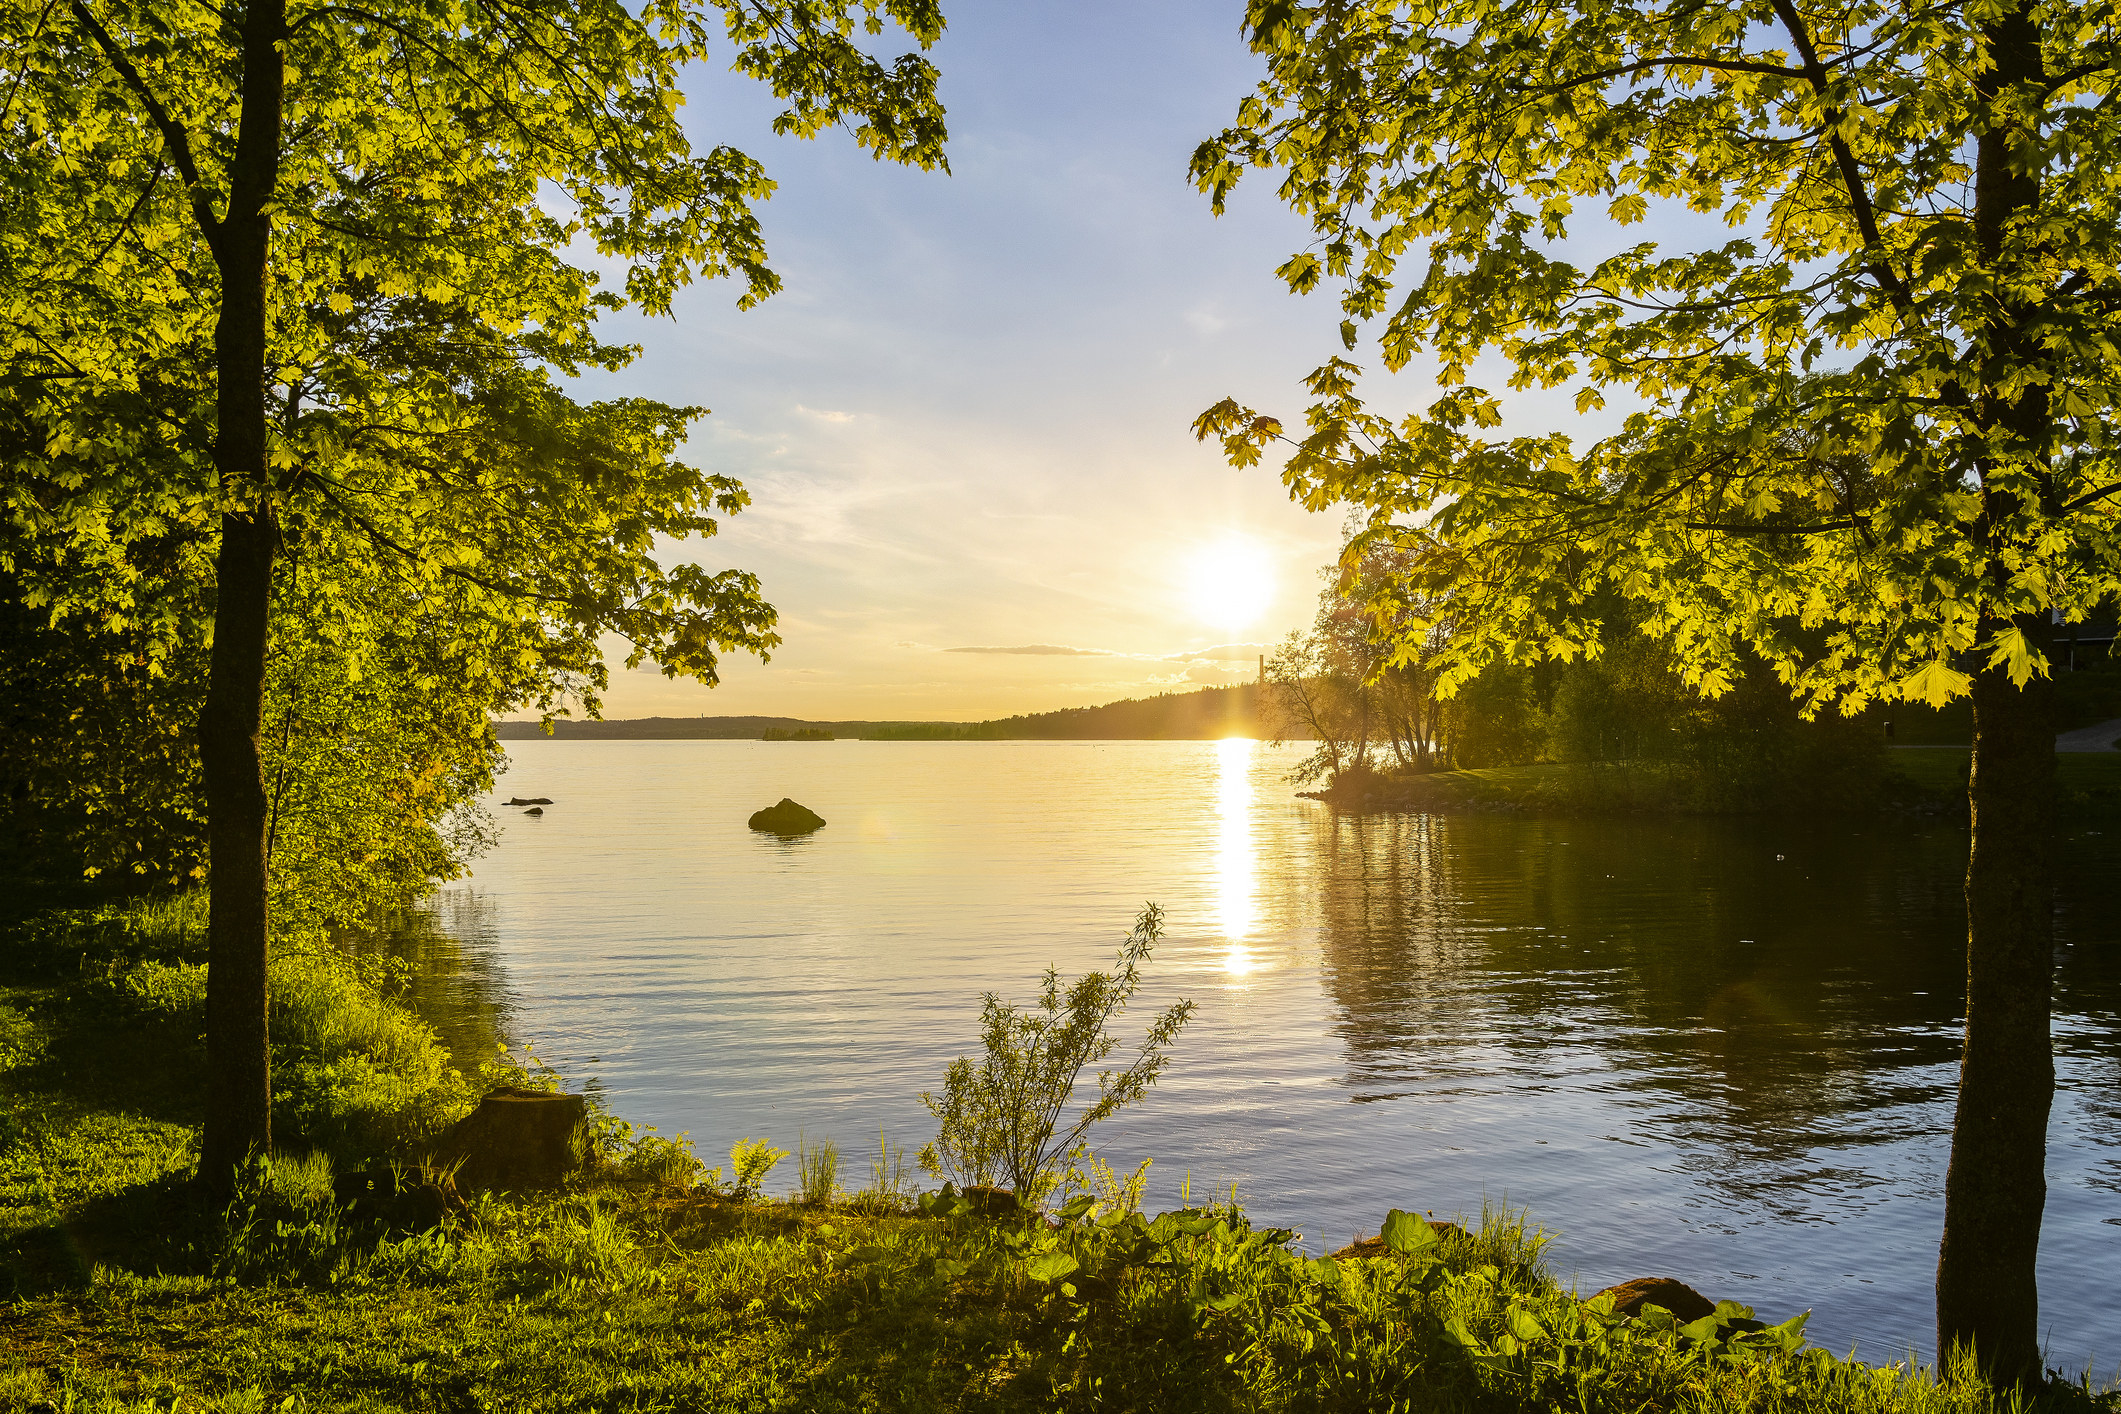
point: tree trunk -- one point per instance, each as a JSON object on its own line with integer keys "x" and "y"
{"x": 1997, "y": 1186}
{"x": 239, "y": 1083}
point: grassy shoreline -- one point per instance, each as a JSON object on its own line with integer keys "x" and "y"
{"x": 1911, "y": 780}
{"x": 121, "y": 1290}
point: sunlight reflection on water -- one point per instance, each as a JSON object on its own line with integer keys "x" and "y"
{"x": 1717, "y": 1049}
{"x": 1236, "y": 859}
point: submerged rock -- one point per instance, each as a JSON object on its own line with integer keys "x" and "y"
{"x": 535, "y": 810}
{"x": 515, "y": 1140}
{"x": 787, "y": 818}
{"x": 1685, "y": 1303}
{"x": 530, "y": 800}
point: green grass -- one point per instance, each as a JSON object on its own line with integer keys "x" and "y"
{"x": 638, "y": 1290}
{"x": 2088, "y": 783}
{"x": 1930, "y": 779}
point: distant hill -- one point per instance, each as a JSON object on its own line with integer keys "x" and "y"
{"x": 1201, "y": 715}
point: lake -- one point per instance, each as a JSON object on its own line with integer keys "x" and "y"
{"x": 1722, "y": 1050}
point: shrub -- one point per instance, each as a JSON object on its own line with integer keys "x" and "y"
{"x": 1002, "y": 1118}
{"x": 354, "y": 1072}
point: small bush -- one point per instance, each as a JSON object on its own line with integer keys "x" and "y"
{"x": 1002, "y": 1118}
{"x": 354, "y": 1072}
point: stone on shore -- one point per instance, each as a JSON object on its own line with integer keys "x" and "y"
{"x": 1685, "y": 1303}
{"x": 1367, "y": 1247}
{"x": 787, "y": 818}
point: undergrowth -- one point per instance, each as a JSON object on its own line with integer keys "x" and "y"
{"x": 651, "y": 1285}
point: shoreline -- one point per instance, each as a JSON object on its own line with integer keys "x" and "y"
{"x": 1916, "y": 781}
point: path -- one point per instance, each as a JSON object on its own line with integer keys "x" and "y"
{"x": 2099, "y": 738}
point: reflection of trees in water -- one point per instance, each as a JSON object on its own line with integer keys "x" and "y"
{"x": 1752, "y": 989}
{"x": 455, "y": 982}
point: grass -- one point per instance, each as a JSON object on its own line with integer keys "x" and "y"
{"x": 1930, "y": 780}
{"x": 2088, "y": 781}
{"x": 642, "y": 1289}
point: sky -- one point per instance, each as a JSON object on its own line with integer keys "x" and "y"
{"x": 964, "y": 422}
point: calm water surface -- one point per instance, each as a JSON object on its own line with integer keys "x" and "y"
{"x": 1718, "y": 1050}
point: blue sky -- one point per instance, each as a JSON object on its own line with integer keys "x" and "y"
{"x": 964, "y": 422}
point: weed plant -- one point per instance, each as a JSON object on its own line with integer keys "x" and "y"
{"x": 817, "y": 1166}
{"x": 750, "y": 1160}
{"x": 1002, "y": 1120}
{"x": 889, "y": 1190}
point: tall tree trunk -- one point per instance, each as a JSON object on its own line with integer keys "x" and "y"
{"x": 1997, "y": 1186}
{"x": 239, "y": 1083}
{"x": 1987, "y": 1295}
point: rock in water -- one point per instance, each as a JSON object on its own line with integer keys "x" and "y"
{"x": 1687, "y": 1304}
{"x": 787, "y": 818}
{"x": 535, "y": 810}
{"x": 515, "y": 1140}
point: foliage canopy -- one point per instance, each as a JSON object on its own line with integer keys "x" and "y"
{"x": 1861, "y": 408}
{"x": 454, "y": 187}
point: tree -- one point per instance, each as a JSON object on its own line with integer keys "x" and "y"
{"x": 1332, "y": 684}
{"x": 250, "y": 249}
{"x": 1865, "y": 400}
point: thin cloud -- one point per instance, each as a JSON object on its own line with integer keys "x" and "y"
{"x": 1039, "y": 650}
{"x": 825, "y": 414}
{"x": 1229, "y": 652}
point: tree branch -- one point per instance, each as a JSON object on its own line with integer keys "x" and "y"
{"x": 173, "y": 134}
{"x": 1851, "y": 175}
{"x": 2091, "y": 497}
{"x": 1673, "y": 61}
{"x": 127, "y": 224}
{"x": 1817, "y": 528}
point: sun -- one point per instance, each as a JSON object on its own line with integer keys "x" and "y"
{"x": 1230, "y": 582}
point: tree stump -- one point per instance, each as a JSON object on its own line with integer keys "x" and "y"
{"x": 990, "y": 1202}
{"x": 515, "y": 1140}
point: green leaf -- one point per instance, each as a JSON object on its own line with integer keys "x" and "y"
{"x": 1525, "y": 1326}
{"x": 1051, "y": 1266}
{"x": 1407, "y": 1233}
{"x": 1935, "y": 683}
{"x": 1455, "y": 1328}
